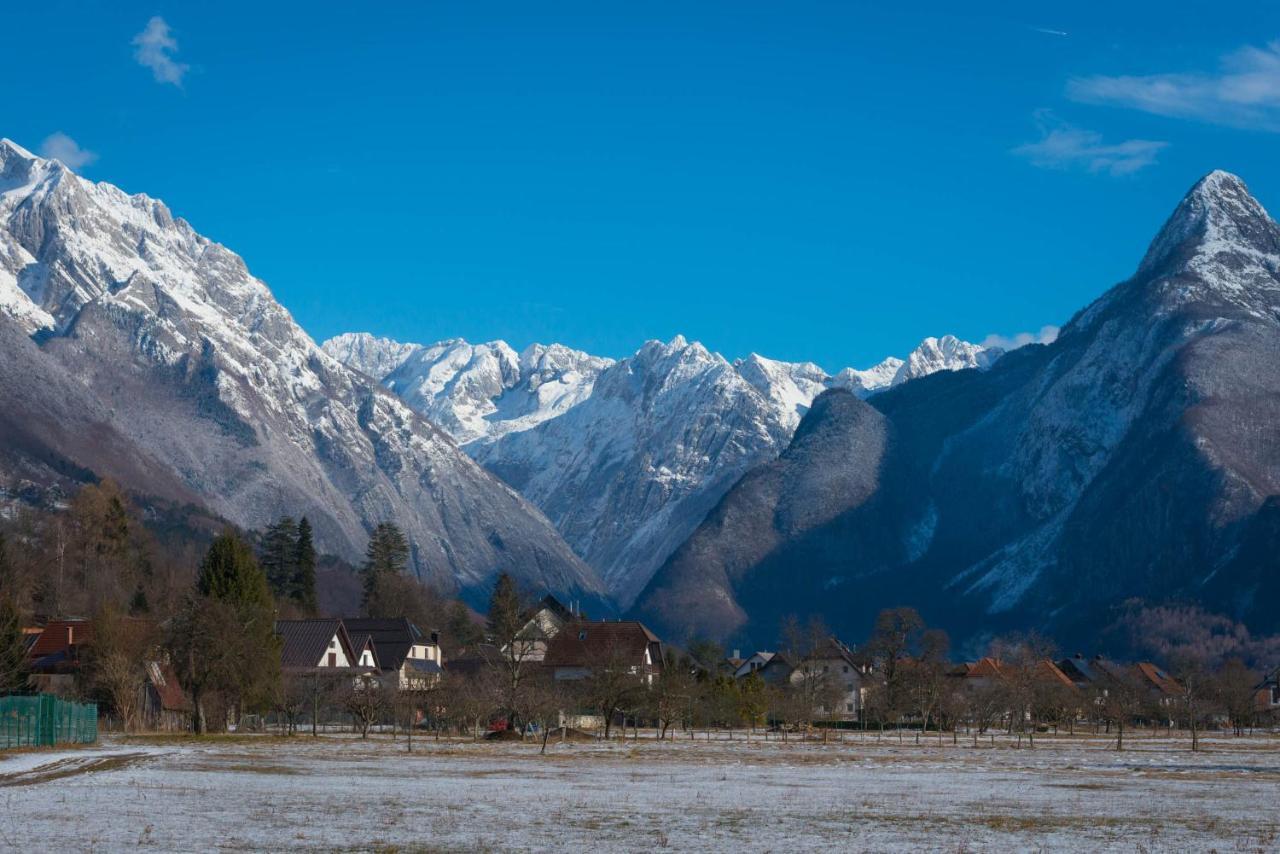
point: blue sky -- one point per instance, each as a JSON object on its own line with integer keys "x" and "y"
{"x": 822, "y": 181}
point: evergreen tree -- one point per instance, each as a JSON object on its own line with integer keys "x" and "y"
{"x": 230, "y": 572}
{"x": 505, "y": 610}
{"x": 304, "y": 568}
{"x": 279, "y": 555}
{"x": 388, "y": 554}
{"x": 14, "y": 669}
{"x": 223, "y": 642}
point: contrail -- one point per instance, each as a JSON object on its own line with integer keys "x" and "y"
{"x": 1050, "y": 32}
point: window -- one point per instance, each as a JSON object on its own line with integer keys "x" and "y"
{"x": 846, "y": 668}
{"x": 582, "y": 635}
{"x": 333, "y": 644}
{"x": 848, "y": 707}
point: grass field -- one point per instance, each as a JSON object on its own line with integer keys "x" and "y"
{"x": 342, "y": 793}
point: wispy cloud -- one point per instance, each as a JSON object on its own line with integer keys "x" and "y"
{"x": 1065, "y": 146}
{"x": 1244, "y": 92}
{"x": 1046, "y": 335}
{"x": 154, "y": 48}
{"x": 62, "y": 147}
{"x": 1049, "y": 32}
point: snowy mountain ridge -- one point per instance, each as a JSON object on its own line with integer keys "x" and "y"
{"x": 624, "y": 457}
{"x": 161, "y": 341}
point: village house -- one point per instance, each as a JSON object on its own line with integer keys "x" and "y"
{"x": 1101, "y": 675}
{"x": 751, "y": 664}
{"x": 54, "y": 656}
{"x": 315, "y": 644}
{"x": 400, "y": 647}
{"x": 833, "y": 662}
{"x": 164, "y": 706}
{"x": 582, "y": 646}
{"x": 542, "y": 623}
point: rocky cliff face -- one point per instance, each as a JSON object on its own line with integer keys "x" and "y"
{"x": 1134, "y": 456}
{"x": 135, "y": 347}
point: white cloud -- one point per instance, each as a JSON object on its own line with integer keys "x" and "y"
{"x": 1064, "y": 146}
{"x": 1244, "y": 92}
{"x": 62, "y": 147}
{"x": 1046, "y": 335}
{"x": 154, "y": 48}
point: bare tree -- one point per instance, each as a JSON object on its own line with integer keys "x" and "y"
{"x": 895, "y": 635}
{"x": 924, "y": 677}
{"x": 367, "y": 698}
{"x": 1022, "y": 659}
{"x": 1120, "y": 700}
{"x": 115, "y": 663}
{"x": 672, "y": 692}
{"x": 614, "y": 684}
{"x": 1235, "y": 687}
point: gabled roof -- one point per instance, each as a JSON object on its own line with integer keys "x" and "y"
{"x": 1154, "y": 677}
{"x": 585, "y": 643}
{"x": 554, "y": 606}
{"x": 305, "y": 642}
{"x": 360, "y": 641}
{"x": 165, "y": 683}
{"x": 392, "y": 638}
{"x": 989, "y": 667}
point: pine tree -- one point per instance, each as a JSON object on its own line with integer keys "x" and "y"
{"x": 230, "y": 572}
{"x": 388, "y": 554}
{"x": 304, "y": 568}
{"x": 223, "y": 641}
{"x": 279, "y": 555}
{"x": 504, "y": 611}
{"x": 14, "y": 669}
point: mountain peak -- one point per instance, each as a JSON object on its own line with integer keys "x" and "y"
{"x": 9, "y": 148}
{"x": 1217, "y": 214}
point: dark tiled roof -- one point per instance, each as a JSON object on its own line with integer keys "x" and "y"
{"x": 307, "y": 641}
{"x": 391, "y": 638}
{"x": 584, "y": 643}
{"x": 361, "y": 640}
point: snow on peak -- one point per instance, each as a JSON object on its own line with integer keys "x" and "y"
{"x": 1217, "y": 214}
{"x": 9, "y": 147}
{"x": 1218, "y": 247}
{"x": 947, "y": 353}
{"x": 475, "y": 392}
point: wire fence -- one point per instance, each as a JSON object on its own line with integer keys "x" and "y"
{"x": 43, "y": 720}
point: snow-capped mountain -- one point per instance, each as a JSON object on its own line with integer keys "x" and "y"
{"x": 1138, "y": 455}
{"x": 476, "y": 392}
{"x": 135, "y": 348}
{"x": 624, "y": 458}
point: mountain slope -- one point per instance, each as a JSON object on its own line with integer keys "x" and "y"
{"x": 1130, "y": 457}
{"x": 136, "y": 347}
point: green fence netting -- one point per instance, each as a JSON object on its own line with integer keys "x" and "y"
{"x": 44, "y": 720}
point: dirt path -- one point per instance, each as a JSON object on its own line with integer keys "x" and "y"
{"x": 70, "y": 766}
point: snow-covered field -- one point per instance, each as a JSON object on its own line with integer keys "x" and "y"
{"x": 341, "y": 793}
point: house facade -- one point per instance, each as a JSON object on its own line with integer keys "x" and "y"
{"x": 401, "y": 648}
{"x": 583, "y": 646}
